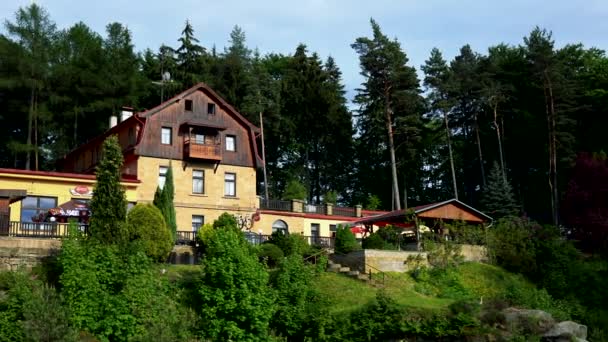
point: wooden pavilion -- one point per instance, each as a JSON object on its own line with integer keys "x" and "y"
{"x": 431, "y": 215}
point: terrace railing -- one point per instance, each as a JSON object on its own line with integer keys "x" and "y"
{"x": 314, "y": 209}
{"x": 344, "y": 211}
{"x": 276, "y": 205}
{"x": 185, "y": 237}
{"x": 38, "y": 229}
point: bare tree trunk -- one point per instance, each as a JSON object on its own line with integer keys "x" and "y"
{"x": 404, "y": 193}
{"x": 447, "y": 132}
{"x": 498, "y": 136}
{"x": 550, "y": 109}
{"x": 75, "y": 143}
{"x": 391, "y": 146}
{"x": 28, "y": 141}
{"x": 263, "y": 157}
{"x": 483, "y": 174}
{"x": 36, "y": 132}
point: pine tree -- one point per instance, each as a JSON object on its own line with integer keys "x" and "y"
{"x": 498, "y": 199}
{"x": 109, "y": 204}
{"x": 189, "y": 57}
{"x": 35, "y": 33}
{"x": 437, "y": 79}
{"x": 390, "y": 90}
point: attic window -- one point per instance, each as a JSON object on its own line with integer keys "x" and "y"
{"x": 188, "y": 105}
{"x": 211, "y": 108}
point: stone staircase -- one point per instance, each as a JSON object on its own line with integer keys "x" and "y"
{"x": 335, "y": 267}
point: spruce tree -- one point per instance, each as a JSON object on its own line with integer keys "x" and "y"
{"x": 109, "y": 204}
{"x": 498, "y": 199}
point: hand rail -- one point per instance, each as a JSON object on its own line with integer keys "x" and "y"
{"x": 314, "y": 256}
{"x": 370, "y": 273}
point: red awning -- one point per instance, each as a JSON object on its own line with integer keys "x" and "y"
{"x": 72, "y": 208}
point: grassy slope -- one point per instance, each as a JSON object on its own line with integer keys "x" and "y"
{"x": 479, "y": 279}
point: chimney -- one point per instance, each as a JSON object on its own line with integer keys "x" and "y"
{"x": 113, "y": 121}
{"x": 126, "y": 113}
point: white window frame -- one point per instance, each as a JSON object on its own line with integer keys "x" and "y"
{"x": 166, "y": 133}
{"x": 198, "y": 182}
{"x": 202, "y": 222}
{"x": 198, "y": 141}
{"x": 232, "y": 145}
{"x": 230, "y": 184}
{"x": 162, "y": 176}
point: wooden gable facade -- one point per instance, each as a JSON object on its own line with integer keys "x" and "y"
{"x": 203, "y": 127}
{"x": 450, "y": 210}
{"x": 200, "y": 124}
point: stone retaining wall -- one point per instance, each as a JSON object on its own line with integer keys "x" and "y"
{"x": 25, "y": 252}
{"x": 398, "y": 261}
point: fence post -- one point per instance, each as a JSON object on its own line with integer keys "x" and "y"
{"x": 358, "y": 210}
{"x": 297, "y": 206}
{"x": 329, "y": 209}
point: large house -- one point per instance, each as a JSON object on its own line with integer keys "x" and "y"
{"x": 213, "y": 153}
{"x": 211, "y": 148}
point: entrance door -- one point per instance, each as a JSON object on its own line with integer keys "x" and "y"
{"x": 314, "y": 234}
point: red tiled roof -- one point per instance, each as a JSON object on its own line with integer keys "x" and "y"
{"x": 309, "y": 215}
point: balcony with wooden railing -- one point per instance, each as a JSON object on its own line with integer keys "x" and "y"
{"x": 194, "y": 150}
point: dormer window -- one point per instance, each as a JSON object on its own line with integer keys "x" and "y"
{"x": 165, "y": 136}
{"x": 211, "y": 108}
{"x": 188, "y": 105}
{"x": 231, "y": 143}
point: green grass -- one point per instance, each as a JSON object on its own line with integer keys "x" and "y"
{"x": 181, "y": 273}
{"x": 490, "y": 281}
{"x": 347, "y": 294}
{"x": 471, "y": 280}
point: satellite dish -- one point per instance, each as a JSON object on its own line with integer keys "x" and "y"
{"x": 166, "y": 76}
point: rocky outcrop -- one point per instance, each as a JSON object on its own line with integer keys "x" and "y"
{"x": 566, "y": 331}
{"x": 528, "y": 321}
{"x": 540, "y": 323}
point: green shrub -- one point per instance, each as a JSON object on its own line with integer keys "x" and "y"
{"x": 464, "y": 233}
{"x": 203, "y": 234}
{"x": 146, "y": 224}
{"x": 373, "y": 241}
{"x": 442, "y": 253}
{"x": 226, "y": 221}
{"x": 234, "y": 299}
{"x": 290, "y": 243}
{"x": 345, "y": 241}
{"x": 294, "y": 190}
{"x": 298, "y": 303}
{"x": 271, "y": 254}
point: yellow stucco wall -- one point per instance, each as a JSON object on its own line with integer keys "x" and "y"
{"x": 51, "y": 186}
{"x": 212, "y": 203}
{"x": 296, "y": 224}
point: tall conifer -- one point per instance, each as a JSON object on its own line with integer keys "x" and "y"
{"x": 109, "y": 204}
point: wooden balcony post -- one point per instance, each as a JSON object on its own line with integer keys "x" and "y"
{"x": 329, "y": 209}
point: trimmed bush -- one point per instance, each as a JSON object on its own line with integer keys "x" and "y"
{"x": 146, "y": 223}
{"x": 290, "y": 243}
{"x": 345, "y": 241}
{"x": 271, "y": 254}
{"x": 226, "y": 221}
{"x": 373, "y": 241}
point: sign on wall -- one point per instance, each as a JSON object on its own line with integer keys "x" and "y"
{"x": 82, "y": 190}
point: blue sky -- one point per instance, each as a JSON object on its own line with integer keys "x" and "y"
{"x": 330, "y": 26}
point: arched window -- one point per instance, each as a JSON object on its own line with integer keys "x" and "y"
{"x": 280, "y": 226}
